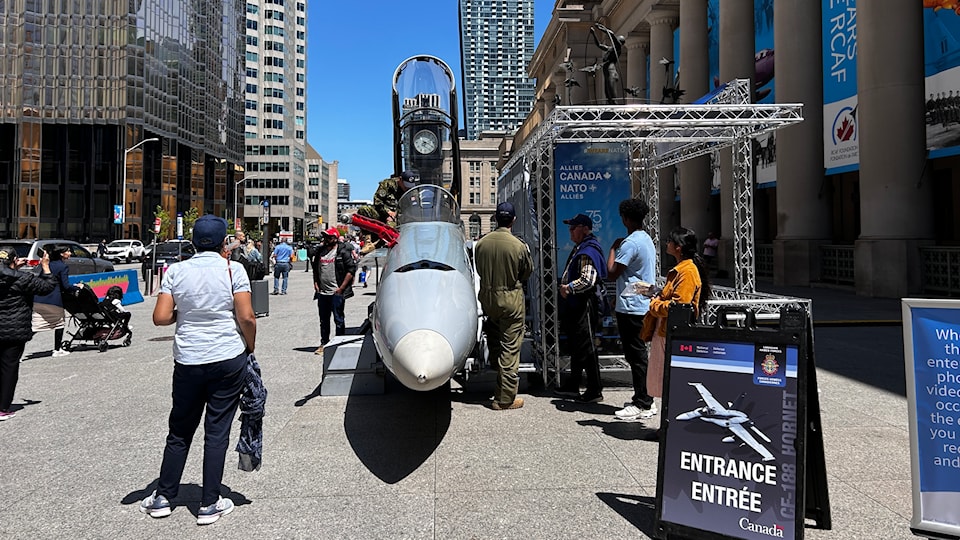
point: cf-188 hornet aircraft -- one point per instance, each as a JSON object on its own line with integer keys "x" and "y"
{"x": 732, "y": 419}
{"x": 425, "y": 321}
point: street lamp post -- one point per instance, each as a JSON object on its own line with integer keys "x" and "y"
{"x": 235, "y": 197}
{"x": 123, "y": 181}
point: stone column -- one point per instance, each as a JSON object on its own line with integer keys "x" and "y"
{"x": 895, "y": 195}
{"x": 737, "y": 50}
{"x": 694, "y": 80}
{"x": 662, "y": 23}
{"x": 803, "y": 210}
{"x": 637, "y": 46}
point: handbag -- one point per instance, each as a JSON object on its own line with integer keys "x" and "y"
{"x": 648, "y": 328}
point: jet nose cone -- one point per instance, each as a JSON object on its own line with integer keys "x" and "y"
{"x": 423, "y": 360}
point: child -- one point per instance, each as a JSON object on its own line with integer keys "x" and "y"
{"x": 113, "y": 302}
{"x": 363, "y": 276}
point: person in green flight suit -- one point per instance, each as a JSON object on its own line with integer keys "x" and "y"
{"x": 504, "y": 263}
{"x": 385, "y": 201}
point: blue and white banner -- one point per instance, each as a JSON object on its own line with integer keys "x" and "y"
{"x": 841, "y": 146}
{"x": 931, "y": 347}
{"x": 591, "y": 179}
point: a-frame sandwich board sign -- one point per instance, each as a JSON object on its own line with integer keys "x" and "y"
{"x": 734, "y": 458}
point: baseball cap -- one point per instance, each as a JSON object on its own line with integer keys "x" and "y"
{"x": 332, "y": 231}
{"x": 209, "y": 232}
{"x": 580, "y": 219}
{"x": 409, "y": 176}
{"x": 505, "y": 210}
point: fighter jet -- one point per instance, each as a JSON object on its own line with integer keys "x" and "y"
{"x": 730, "y": 418}
{"x": 426, "y": 319}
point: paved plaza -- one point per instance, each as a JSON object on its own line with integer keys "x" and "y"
{"x": 87, "y": 440}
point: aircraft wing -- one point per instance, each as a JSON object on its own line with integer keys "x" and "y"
{"x": 707, "y": 397}
{"x": 746, "y": 437}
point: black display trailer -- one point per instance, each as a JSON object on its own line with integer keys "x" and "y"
{"x": 742, "y": 452}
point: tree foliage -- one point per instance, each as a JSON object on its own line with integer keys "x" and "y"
{"x": 168, "y": 223}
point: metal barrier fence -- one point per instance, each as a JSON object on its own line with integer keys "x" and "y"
{"x": 836, "y": 264}
{"x": 941, "y": 270}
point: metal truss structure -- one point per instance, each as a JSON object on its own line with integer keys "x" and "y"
{"x": 658, "y": 136}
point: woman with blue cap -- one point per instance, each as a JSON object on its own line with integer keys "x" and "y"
{"x": 208, "y": 297}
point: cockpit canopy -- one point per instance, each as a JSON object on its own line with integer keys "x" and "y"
{"x": 428, "y": 203}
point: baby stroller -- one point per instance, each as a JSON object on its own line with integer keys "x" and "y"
{"x": 97, "y": 322}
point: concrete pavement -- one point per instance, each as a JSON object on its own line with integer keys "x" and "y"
{"x": 86, "y": 444}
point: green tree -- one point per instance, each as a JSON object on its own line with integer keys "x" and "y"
{"x": 168, "y": 223}
{"x": 189, "y": 218}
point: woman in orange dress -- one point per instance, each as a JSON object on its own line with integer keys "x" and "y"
{"x": 687, "y": 283}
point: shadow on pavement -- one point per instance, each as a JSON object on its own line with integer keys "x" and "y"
{"x": 26, "y": 403}
{"x": 395, "y": 433}
{"x": 638, "y": 510}
{"x": 188, "y": 497}
{"x": 620, "y": 429}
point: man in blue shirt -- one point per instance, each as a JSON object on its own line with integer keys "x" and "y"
{"x": 632, "y": 260}
{"x": 281, "y": 266}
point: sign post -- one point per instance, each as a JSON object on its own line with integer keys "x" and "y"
{"x": 265, "y": 221}
{"x": 931, "y": 350}
{"x": 733, "y": 455}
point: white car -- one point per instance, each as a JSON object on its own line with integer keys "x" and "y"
{"x": 124, "y": 250}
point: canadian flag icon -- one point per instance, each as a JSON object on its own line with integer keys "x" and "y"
{"x": 686, "y": 348}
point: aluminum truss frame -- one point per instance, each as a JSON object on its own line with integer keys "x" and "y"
{"x": 659, "y": 136}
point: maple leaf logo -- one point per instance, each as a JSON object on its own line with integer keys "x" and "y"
{"x": 845, "y": 130}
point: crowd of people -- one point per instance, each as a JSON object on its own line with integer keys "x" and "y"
{"x": 208, "y": 297}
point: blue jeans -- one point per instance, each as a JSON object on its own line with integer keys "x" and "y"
{"x": 331, "y": 304}
{"x": 280, "y": 269}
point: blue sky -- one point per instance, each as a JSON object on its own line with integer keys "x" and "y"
{"x": 352, "y": 50}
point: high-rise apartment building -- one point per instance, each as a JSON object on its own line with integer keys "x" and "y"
{"x": 321, "y": 193}
{"x": 496, "y": 45}
{"x": 127, "y": 104}
{"x": 275, "y": 115}
{"x": 343, "y": 190}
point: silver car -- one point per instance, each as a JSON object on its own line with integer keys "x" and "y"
{"x": 81, "y": 261}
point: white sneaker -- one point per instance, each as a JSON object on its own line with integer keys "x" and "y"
{"x": 649, "y": 413}
{"x": 630, "y": 412}
{"x": 60, "y": 352}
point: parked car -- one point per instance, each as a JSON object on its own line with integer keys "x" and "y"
{"x": 81, "y": 260}
{"x": 167, "y": 253}
{"x": 124, "y": 250}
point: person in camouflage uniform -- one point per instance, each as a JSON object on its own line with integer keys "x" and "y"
{"x": 385, "y": 201}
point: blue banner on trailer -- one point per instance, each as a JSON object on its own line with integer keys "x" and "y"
{"x": 590, "y": 179}
{"x": 931, "y": 349}
{"x": 101, "y": 282}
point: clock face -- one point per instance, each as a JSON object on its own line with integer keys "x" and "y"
{"x": 425, "y": 142}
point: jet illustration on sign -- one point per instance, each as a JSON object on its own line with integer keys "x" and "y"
{"x": 730, "y": 418}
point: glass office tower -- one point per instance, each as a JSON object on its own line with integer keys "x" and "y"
{"x": 85, "y": 85}
{"x": 496, "y": 45}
